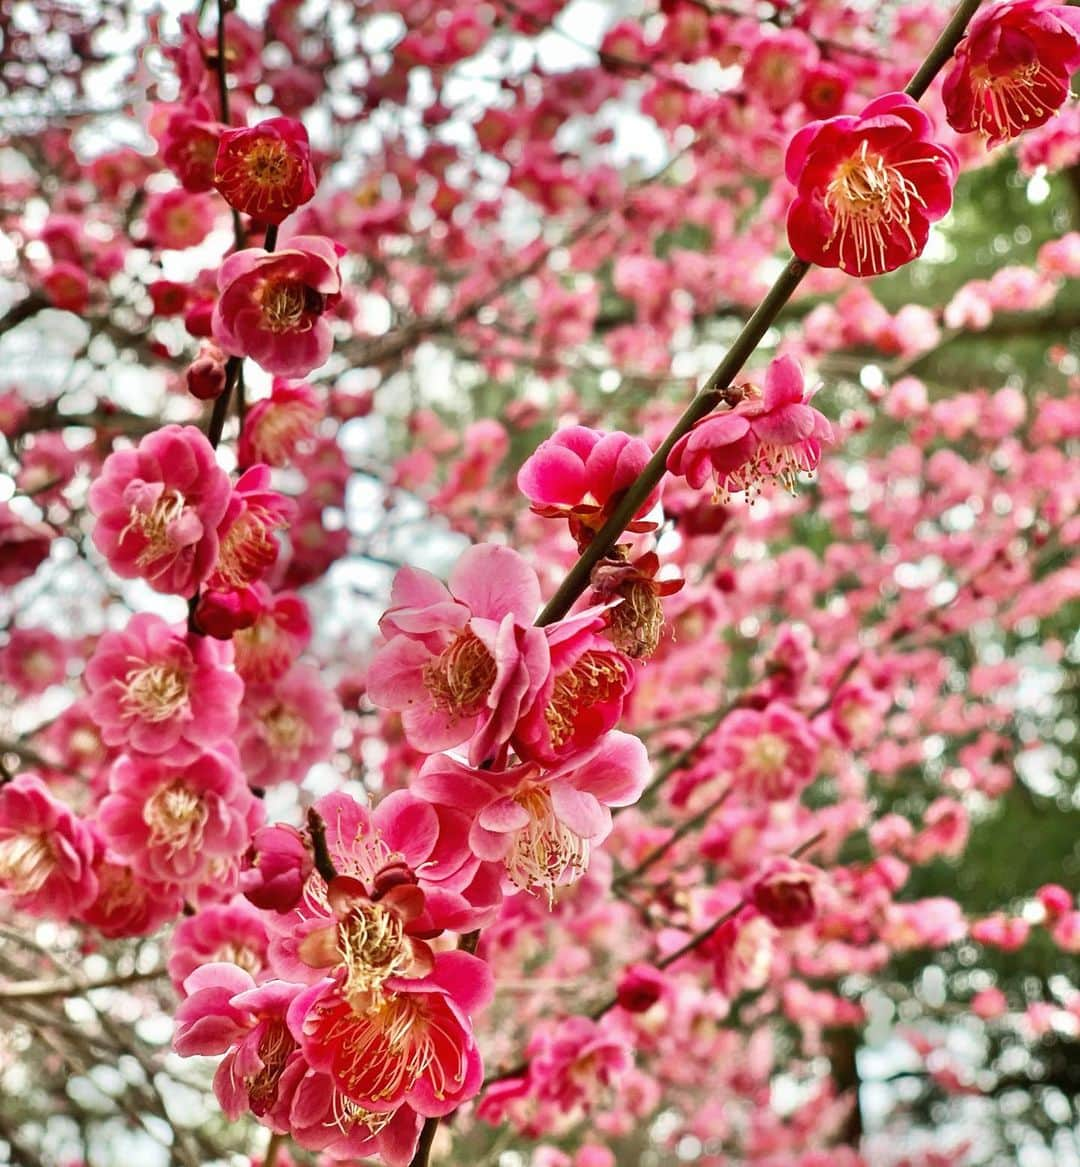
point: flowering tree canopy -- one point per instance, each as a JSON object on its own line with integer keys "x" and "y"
{"x": 538, "y": 617}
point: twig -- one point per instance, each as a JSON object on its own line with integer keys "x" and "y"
{"x": 70, "y": 987}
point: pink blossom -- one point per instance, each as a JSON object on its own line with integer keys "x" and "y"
{"x": 247, "y": 548}
{"x": 232, "y": 932}
{"x": 183, "y": 824}
{"x": 156, "y": 689}
{"x": 279, "y": 862}
{"x": 541, "y": 825}
{"x": 1000, "y": 931}
{"x": 178, "y": 219}
{"x": 126, "y": 904}
{"x": 272, "y": 305}
{"x": 463, "y": 662}
{"x": 24, "y": 546}
{"x": 158, "y": 508}
{"x": 404, "y": 875}
{"x": 770, "y": 754}
{"x": 225, "y": 1011}
{"x": 582, "y": 696}
{"x": 32, "y": 660}
{"x": 46, "y": 853}
{"x": 581, "y": 474}
{"x": 275, "y": 426}
{"x": 278, "y": 634}
{"x": 286, "y": 726}
{"x": 572, "y": 1060}
{"x": 773, "y": 432}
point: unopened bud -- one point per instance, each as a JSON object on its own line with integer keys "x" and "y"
{"x": 206, "y": 373}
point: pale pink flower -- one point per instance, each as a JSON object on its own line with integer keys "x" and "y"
{"x": 286, "y": 726}
{"x": 771, "y": 754}
{"x": 541, "y": 825}
{"x": 224, "y": 1011}
{"x": 581, "y": 474}
{"x": 275, "y": 426}
{"x": 180, "y": 824}
{"x": 272, "y": 305}
{"x": 233, "y": 932}
{"x": 178, "y": 219}
{"x": 411, "y": 1042}
{"x": 158, "y": 508}
{"x": 155, "y": 689}
{"x": 46, "y": 852}
{"x": 774, "y": 432}
{"x": 32, "y": 660}
{"x": 1009, "y": 933}
{"x": 573, "y": 1060}
{"x": 930, "y": 923}
{"x": 462, "y": 663}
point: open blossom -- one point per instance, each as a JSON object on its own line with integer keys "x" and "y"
{"x": 868, "y": 187}
{"x": 277, "y": 635}
{"x": 225, "y": 1011}
{"x": 158, "y": 508}
{"x": 187, "y": 137}
{"x": 286, "y": 726}
{"x": 180, "y": 824}
{"x": 462, "y": 662}
{"x": 773, "y": 432}
{"x": 177, "y": 219}
{"x": 247, "y": 548}
{"x": 265, "y": 170}
{"x": 404, "y": 874}
{"x": 32, "y": 660}
{"x": 581, "y": 474}
{"x": 126, "y": 904}
{"x": 582, "y": 696}
{"x": 1011, "y": 72}
{"x": 637, "y": 623}
{"x": 275, "y": 426}
{"x": 272, "y": 305}
{"x": 155, "y": 689}
{"x": 541, "y": 825}
{"x": 771, "y": 754}
{"x": 233, "y": 931}
{"x": 409, "y": 1043}
{"x": 46, "y": 852}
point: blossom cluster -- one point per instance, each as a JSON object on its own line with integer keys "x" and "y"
{"x": 746, "y": 851}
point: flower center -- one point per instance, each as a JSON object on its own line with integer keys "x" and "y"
{"x": 245, "y": 552}
{"x": 154, "y": 693}
{"x": 460, "y": 678}
{"x": 26, "y": 862}
{"x": 371, "y": 940}
{"x": 382, "y": 1051}
{"x": 546, "y": 852}
{"x": 594, "y": 677}
{"x": 242, "y": 956}
{"x": 767, "y": 754}
{"x": 869, "y": 201}
{"x": 1008, "y": 101}
{"x": 270, "y": 165}
{"x": 288, "y": 305}
{"x": 285, "y": 729}
{"x": 176, "y": 817}
{"x": 281, "y": 427}
{"x": 157, "y": 526}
